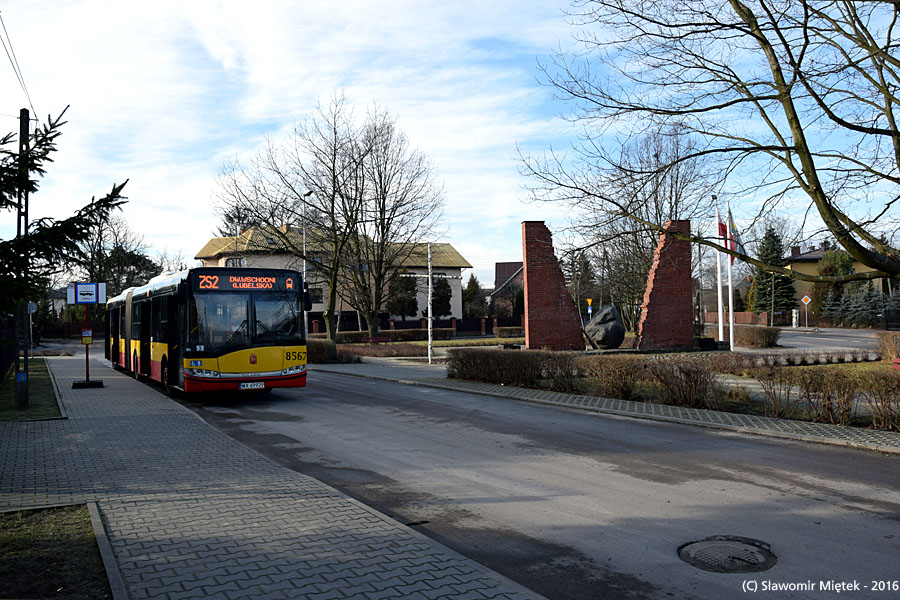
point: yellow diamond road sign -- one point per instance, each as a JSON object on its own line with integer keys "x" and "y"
{"x": 806, "y": 300}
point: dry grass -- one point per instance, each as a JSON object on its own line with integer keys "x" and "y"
{"x": 51, "y": 553}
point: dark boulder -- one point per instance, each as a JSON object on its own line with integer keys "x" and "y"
{"x": 606, "y": 328}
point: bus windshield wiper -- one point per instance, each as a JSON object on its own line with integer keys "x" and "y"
{"x": 236, "y": 331}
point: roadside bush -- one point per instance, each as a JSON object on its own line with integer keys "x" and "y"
{"x": 777, "y": 384}
{"x": 396, "y": 335}
{"x": 320, "y": 351}
{"x": 611, "y": 375}
{"x": 686, "y": 381}
{"x": 756, "y": 337}
{"x": 530, "y": 369}
{"x": 889, "y": 345}
{"x": 829, "y": 394}
{"x": 505, "y": 367}
{"x": 882, "y": 393}
{"x": 558, "y": 368}
{"x": 384, "y": 350}
{"x": 325, "y": 351}
{"x": 509, "y": 332}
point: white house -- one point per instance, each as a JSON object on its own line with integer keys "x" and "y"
{"x": 257, "y": 248}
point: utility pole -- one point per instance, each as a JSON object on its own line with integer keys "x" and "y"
{"x": 430, "y": 290}
{"x": 21, "y": 395}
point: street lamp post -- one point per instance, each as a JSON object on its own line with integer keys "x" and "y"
{"x": 305, "y": 282}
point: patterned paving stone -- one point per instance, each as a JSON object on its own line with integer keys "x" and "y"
{"x": 191, "y": 513}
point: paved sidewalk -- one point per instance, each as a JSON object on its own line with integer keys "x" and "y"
{"x": 190, "y": 513}
{"x": 435, "y": 376}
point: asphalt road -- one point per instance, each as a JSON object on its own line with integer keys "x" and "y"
{"x": 578, "y": 505}
{"x": 827, "y": 338}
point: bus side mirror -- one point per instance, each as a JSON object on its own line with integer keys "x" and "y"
{"x": 307, "y": 299}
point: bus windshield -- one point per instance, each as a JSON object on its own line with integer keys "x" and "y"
{"x": 225, "y": 321}
{"x": 278, "y": 319}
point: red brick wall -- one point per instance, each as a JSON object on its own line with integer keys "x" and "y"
{"x": 551, "y": 319}
{"x": 667, "y": 319}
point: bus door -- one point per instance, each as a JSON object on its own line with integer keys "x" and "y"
{"x": 144, "y": 346}
{"x": 180, "y": 337}
{"x": 110, "y": 347}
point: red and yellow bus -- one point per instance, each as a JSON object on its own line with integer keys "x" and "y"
{"x": 212, "y": 329}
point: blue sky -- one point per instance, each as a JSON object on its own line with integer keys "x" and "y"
{"x": 164, "y": 93}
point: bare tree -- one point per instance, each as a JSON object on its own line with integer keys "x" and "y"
{"x": 795, "y": 101}
{"x": 399, "y": 211}
{"x": 313, "y": 180}
{"x": 617, "y": 209}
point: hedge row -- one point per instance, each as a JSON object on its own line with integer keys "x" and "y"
{"x": 324, "y": 351}
{"x": 684, "y": 381}
{"x": 395, "y": 335}
{"x": 509, "y": 332}
{"x": 749, "y": 336}
{"x": 812, "y": 393}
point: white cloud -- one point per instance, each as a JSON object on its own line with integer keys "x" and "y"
{"x": 163, "y": 93}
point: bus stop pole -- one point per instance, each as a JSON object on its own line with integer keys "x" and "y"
{"x": 87, "y": 348}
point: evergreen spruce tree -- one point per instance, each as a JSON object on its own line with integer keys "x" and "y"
{"x": 771, "y": 251}
{"x": 831, "y": 306}
{"x": 874, "y": 301}
{"x": 474, "y": 304}
{"x": 440, "y": 298}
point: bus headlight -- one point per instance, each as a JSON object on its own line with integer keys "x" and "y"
{"x": 201, "y": 373}
{"x": 294, "y": 370}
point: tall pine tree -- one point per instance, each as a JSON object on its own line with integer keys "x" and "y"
{"x": 766, "y": 285}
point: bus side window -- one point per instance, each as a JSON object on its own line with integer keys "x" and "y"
{"x": 136, "y": 310}
{"x": 163, "y": 316}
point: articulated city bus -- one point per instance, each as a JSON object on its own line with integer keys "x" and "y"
{"x": 212, "y": 329}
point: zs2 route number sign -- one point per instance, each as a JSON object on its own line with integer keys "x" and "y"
{"x": 209, "y": 282}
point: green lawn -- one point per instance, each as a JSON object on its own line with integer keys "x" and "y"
{"x": 41, "y": 396}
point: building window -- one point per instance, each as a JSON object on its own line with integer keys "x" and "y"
{"x": 317, "y": 294}
{"x": 234, "y": 262}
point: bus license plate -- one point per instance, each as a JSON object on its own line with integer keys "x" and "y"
{"x": 253, "y": 385}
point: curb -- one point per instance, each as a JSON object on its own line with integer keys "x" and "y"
{"x": 113, "y": 575}
{"x": 830, "y": 441}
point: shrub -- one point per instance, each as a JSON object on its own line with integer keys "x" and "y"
{"x": 777, "y": 384}
{"x": 889, "y": 345}
{"x": 320, "y": 351}
{"x": 325, "y": 351}
{"x": 395, "y": 335}
{"x": 559, "y": 368}
{"x": 508, "y": 332}
{"x": 388, "y": 350}
{"x": 611, "y": 376}
{"x": 505, "y": 367}
{"x": 686, "y": 381}
{"x": 830, "y": 394}
{"x": 882, "y": 393}
{"x": 756, "y": 337}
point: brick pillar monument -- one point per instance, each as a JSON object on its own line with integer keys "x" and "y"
{"x": 551, "y": 318}
{"x": 667, "y": 314}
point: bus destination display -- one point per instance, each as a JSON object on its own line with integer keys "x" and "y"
{"x": 244, "y": 282}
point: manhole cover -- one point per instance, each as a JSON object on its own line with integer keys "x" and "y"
{"x": 728, "y": 554}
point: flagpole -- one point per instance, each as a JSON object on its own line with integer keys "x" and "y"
{"x": 720, "y": 318}
{"x": 730, "y": 286}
